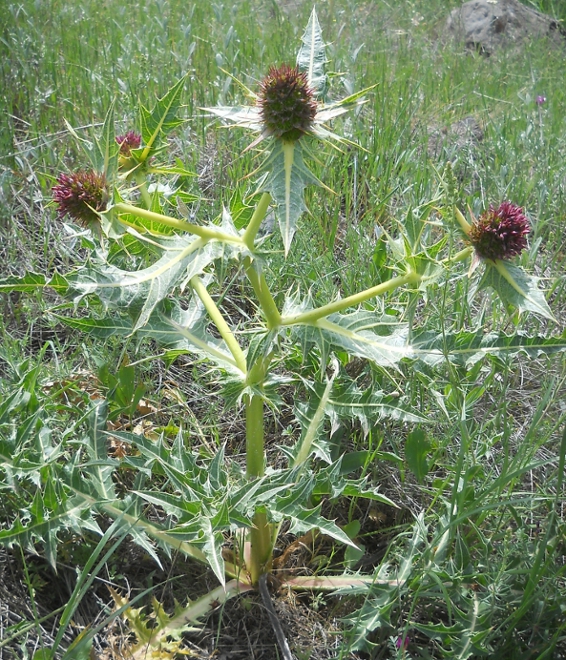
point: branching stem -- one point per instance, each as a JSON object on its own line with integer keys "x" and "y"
{"x": 198, "y": 230}
{"x": 257, "y": 218}
{"x": 351, "y": 301}
{"x": 220, "y": 323}
{"x": 264, "y": 297}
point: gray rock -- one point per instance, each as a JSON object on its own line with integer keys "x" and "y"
{"x": 485, "y": 25}
{"x": 463, "y": 134}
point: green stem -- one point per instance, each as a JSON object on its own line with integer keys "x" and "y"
{"x": 260, "y": 533}
{"x": 462, "y": 255}
{"x": 141, "y": 182}
{"x": 220, "y": 323}
{"x": 265, "y": 299}
{"x": 321, "y": 312}
{"x": 203, "y": 232}
{"x": 257, "y": 218}
{"x": 255, "y": 461}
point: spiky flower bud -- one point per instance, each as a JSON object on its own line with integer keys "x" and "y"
{"x": 81, "y": 195}
{"x": 500, "y": 233}
{"x": 287, "y": 103}
{"x": 131, "y": 140}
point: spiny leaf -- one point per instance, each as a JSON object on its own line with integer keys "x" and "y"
{"x": 303, "y": 520}
{"x": 286, "y": 180}
{"x": 364, "y": 334}
{"x": 43, "y": 523}
{"x": 161, "y": 119}
{"x": 212, "y": 548}
{"x": 244, "y": 116}
{"x": 175, "y": 328}
{"x": 106, "y": 147}
{"x": 466, "y": 348}
{"x": 100, "y": 465}
{"x": 140, "y": 291}
{"x": 515, "y": 288}
{"x": 312, "y": 420}
{"x": 312, "y": 57}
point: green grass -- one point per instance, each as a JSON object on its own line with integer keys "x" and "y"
{"x": 482, "y": 541}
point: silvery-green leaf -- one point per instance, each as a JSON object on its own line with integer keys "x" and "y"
{"x": 140, "y": 291}
{"x": 364, "y": 334}
{"x": 104, "y": 151}
{"x": 312, "y": 57}
{"x": 286, "y": 180}
{"x": 247, "y": 117}
{"x": 466, "y": 347}
{"x": 515, "y": 288}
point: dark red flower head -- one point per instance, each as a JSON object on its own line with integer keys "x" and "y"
{"x": 287, "y": 103}
{"x": 500, "y": 233}
{"x": 81, "y": 195}
{"x": 131, "y": 140}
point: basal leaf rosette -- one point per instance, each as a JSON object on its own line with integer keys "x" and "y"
{"x": 82, "y": 195}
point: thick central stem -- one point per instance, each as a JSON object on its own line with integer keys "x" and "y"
{"x": 260, "y": 534}
{"x": 255, "y": 460}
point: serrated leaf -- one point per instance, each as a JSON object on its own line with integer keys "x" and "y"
{"x": 367, "y": 406}
{"x": 161, "y": 119}
{"x": 244, "y": 116}
{"x": 286, "y": 180}
{"x": 341, "y": 107}
{"x": 364, "y": 334}
{"x": 212, "y": 549}
{"x": 140, "y": 291}
{"x": 100, "y": 466}
{"x": 305, "y": 520}
{"x": 44, "y": 524}
{"x": 33, "y": 281}
{"x": 466, "y": 347}
{"x": 312, "y": 56}
{"x": 515, "y": 288}
{"x": 312, "y": 420}
{"x": 106, "y": 147}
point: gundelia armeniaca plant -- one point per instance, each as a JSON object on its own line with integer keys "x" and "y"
{"x": 215, "y": 510}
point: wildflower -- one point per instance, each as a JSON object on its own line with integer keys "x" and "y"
{"x": 287, "y": 106}
{"x": 402, "y": 642}
{"x": 286, "y": 102}
{"x": 500, "y": 233}
{"x": 131, "y": 140}
{"x": 81, "y": 195}
{"x": 540, "y": 100}
{"x": 126, "y": 160}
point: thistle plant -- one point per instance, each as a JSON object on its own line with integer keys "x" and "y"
{"x": 174, "y": 301}
{"x": 82, "y": 196}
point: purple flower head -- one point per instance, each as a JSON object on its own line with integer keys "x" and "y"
{"x": 81, "y": 195}
{"x": 500, "y": 233}
{"x": 402, "y": 642}
{"x": 540, "y": 100}
{"x": 131, "y": 140}
{"x": 287, "y": 103}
